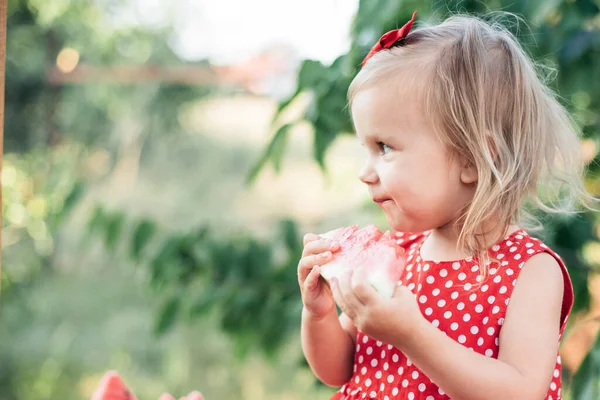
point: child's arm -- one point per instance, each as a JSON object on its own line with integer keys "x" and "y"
{"x": 528, "y": 344}
{"x": 328, "y": 345}
{"x": 528, "y": 339}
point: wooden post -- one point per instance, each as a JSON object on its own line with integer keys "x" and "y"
{"x": 3, "y": 7}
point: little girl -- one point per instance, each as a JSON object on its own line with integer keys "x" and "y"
{"x": 459, "y": 132}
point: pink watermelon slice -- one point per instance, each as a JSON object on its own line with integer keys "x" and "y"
{"x": 368, "y": 248}
{"x": 112, "y": 387}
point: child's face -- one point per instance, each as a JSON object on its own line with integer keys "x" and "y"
{"x": 408, "y": 169}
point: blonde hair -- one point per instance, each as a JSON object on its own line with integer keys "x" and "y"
{"x": 490, "y": 107}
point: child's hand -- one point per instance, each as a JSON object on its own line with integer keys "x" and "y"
{"x": 316, "y": 294}
{"x": 389, "y": 320}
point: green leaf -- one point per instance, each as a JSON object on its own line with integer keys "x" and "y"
{"x": 586, "y": 382}
{"x": 167, "y": 315}
{"x": 141, "y": 236}
{"x": 311, "y": 74}
{"x": 274, "y": 151}
{"x": 114, "y": 226}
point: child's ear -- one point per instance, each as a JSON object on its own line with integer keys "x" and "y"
{"x": 468, "y": 174}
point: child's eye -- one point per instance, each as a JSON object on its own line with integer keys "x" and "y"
{"x": 384, "y": 148}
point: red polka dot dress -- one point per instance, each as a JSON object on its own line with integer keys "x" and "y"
{"x": 451, "y": 298}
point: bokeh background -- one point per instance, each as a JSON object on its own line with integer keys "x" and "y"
{"x": 163, "y": 159}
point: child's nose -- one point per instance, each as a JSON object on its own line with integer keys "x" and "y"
{"x": 367, "y": 174}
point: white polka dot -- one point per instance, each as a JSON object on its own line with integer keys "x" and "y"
{"x": 454, "y": 326}
{"x": 491, "y": 299}
{"x": 462, "y": 339}
{"x": 495, "y": 310}
{"x": 423, "y": 299}
{"x": 374, "y": 362}
{"x": 435, "y": 291}
{"x": 386, "y": 366}
{"x": 466, "y": 317}
{"x": 430, "y": 398}
{"x": 400, "y": 370}
{"x": 491, "y": 331}
{"x": 497, "y": 278}
{"x": 390, "y": 378}
{"x": 390, "y": 346}
{"x": 462, "y": 276}
{"x": 484, "y": 288}
{"x": 379, "y": 343}
{"x": 489, "y": 352}
{"x": 447, "y": 314}
{"x": 411, "y": 286}
{"x": 528, "y": 244}
{"x": 493, "y": 271}
{"x": 556, "y": 373}
{"x": 395, "y": 358}
{"x": 422, "y": 387}
{"x": 409, "y": 275}
{"x": 405, "y": 383}
{"x": 360, "y": 359}
{"x": 496, "y": 248}
{"x": 479, "y": 308}
{"x": 369, "y": 350}
{"x": 474, "y": 330}
{"x": 378, "y": 374}
{"x": 430, "y": 279}
{"x": 363, "y": 370}
{"x": 411, "y": 396}
{"x": 428, "y": 311}
{"x": 513, "y": 249}
{"x": 441, "y": 303}
{"x": 358, "y": 347}
{"x": 443, "y": 273}
{"x": 503, "y": 290}
{"x": 408, "y": 362}
{"x": 517, "y": 256}
{"x": 454, "y": 295}
{"x": 426, "y": 267}
{"x": 415, "y": 374}
{"x": 467, "y": 286}
{"x": 475, "y": 268}
{"x": 395, "y": 390}
{"x": 500, "y": 256}
{"x": 365, "y": 339}
{"x": 509, "y": 272}
{"x": 441, "y": 391}
{"x": 456, "y": 266}
{"x": 435, "y": 323}
{"x": 485, "y": 320}
{"x": 460, "y": 306}
{"x": 472, "y": 297}
{"x": 449, "y": 284}
{"x": 368, "y": 382}
{"x": 357, "y": 379}
{"x": 382, "y": 353}
{"x": 530, "y": 251}
{"x": 501, "y": 321}
{"x": 480, "y": 341}
{"x": 419, "y": 287}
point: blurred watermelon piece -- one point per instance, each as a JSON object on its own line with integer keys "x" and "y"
{"x": 378, "y": 253}
{"x": 112, "y": 387}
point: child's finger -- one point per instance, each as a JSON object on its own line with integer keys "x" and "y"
{"x": 307, "y": 263}
{"x": 309, "y": 237}
{"x": 166, "y": 396}
{"x": 319, "y": 246}
{"x": 312, "y": 281}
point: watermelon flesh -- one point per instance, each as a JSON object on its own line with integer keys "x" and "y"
{"x": 112, "y": 387}
{"x": 369, "y": 249}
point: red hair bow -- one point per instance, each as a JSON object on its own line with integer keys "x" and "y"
{"x": 388, "y": 39}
